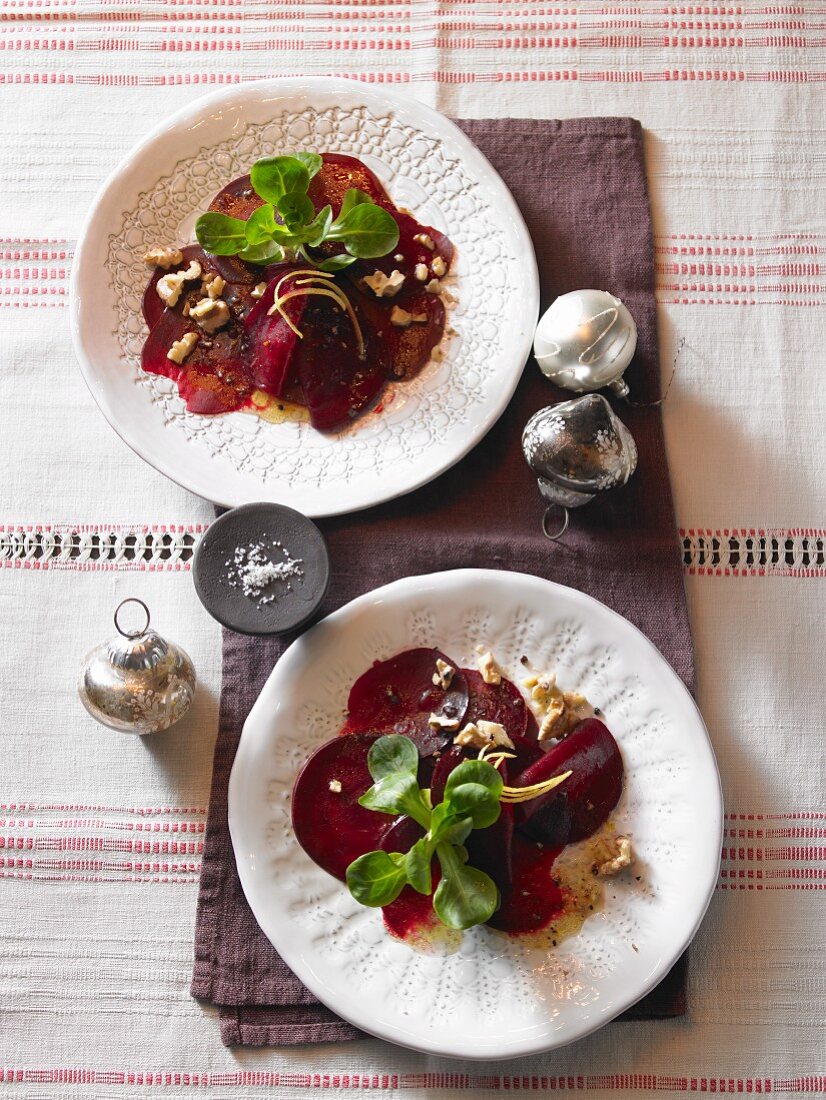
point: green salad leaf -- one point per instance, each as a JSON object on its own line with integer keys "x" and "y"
{"x": 465, "y": 895}
{"x": 288, "y": 224}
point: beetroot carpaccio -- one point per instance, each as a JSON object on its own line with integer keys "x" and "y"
{"x": 288, "y": 335}
{"x": 453, "y": 715}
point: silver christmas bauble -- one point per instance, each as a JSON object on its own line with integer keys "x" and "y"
{"x": 585, "y": 341}
{"x": 138, "y": 682}
{"x": 577, "y": 449}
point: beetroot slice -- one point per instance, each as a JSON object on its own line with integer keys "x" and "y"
{"x": 152, "y": 306}
{"x": 399, "y": 695}
{"x": 581, "y": 804}
{"x": 407, "y": 348}
{"x": 337, "y": 381}
{"x": 269, "y": 344}
{"x": 338, "y": 174}
{"x": 532, "y": 899}
{"x": 211, "y": 379}
{"x": 490, "y": 849}
{"x": 502, "y": 703}
{"x": 330, "y": 826}
{"x": 527, "y": 753}
{"x": 411, "y": 913}
{"x": 237, "y": 199}
{"x": 451, "y": 758}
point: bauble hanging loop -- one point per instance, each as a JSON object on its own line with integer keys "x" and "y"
{"x": 577, "y": 449}
{"x": 585, "y": 341}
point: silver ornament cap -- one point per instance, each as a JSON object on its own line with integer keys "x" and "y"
{"x": 585, "y": 341}
{"x": 138, "y": 682}
{"x": 577, "y": 449}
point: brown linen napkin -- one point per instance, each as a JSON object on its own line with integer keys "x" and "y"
{"x": 581, "y": 187}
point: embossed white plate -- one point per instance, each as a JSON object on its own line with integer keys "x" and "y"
{"x": 497, "y": 997}
{"x": 426, "y": 424}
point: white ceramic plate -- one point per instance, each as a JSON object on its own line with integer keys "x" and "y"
{"x": 496, "y": 997}
{"x": 429, "y": 166}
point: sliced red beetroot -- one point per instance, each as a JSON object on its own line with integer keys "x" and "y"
{"x": 451, "y": 758}
{"x": 532, "y": 899}
{"x": 411, "y": 914}
{"x": 532, "y": 728}
{"x": 399, "y": 695}
{"x": 338, "y": 174}
{"x": 152, "y": 305}
{"x": 237, "y": 199}
{"x": 578, "y": 806}
{"x": 212, "y": 378}
{"x": 502, "y": 703}
{"x": 527, "y": 752}
{"x": 338, "y": 377}
{"x": 407, "y": 347}
{"x": 490, "y": 849}
{"x": 269, "y": 343}
{"x": 329, "y": 824}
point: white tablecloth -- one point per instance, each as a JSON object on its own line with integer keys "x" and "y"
{"x": 101, "y": 836}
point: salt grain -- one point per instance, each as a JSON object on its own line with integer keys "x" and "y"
{"x": 254, "y": 572}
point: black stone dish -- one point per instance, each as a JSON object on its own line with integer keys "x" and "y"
{"x": 251, "y": 523}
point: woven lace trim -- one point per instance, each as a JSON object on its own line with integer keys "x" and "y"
{"x": 94, "y": 546}
{"x": 794, "y": 552}
{"x": 755, "y": 552}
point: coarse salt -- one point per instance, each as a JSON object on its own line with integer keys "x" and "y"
{"x": 254, "y": 572}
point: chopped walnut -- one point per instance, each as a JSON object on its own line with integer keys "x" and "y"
{"x": 421, "y": 272}
{"x": 183, "y": 347}
{"x": 335, "y": 786}
{"x": 213, "y": 286}
{"x": 402, "y": 319}
{"x": 169, "y": 286}
{"x": 434, "y": 287}
{"x": 443, "y": 676}
{"x": 559, "y": 711}
{"x": 258, "y": 290}
{"x": 425, "y": 240}
{"x": 385, "y": 286}
{"x": 163, "y": 257}
{"x": 438, "y": 266}
{"x": 486, "y": 664}
{"x": 481, "y": 734}
{"x": 442, "y": 722}
{"x": 211, "y": 314}
{"x": 620, "y": 855}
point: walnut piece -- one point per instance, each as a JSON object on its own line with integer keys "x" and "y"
{"x": 211, "y": 314}
{"x": 481, "y": 734}
{"x": 425, "y": 240}
{"x": 384, "y": 286}
{"x": 442, "y": 722}
{"x": 443, "y": 676}
{"x": 486, "y": 664}
{"x": 183, "y": 347}
{"x": 163, "y": 257}
{"x": 438, "y": 266}
{"x": 258, "y": 290}
{"x": 620, "y": 856}
{"x": 335, "y": 786}
{"x": 421, "y": 272}
{"x": 434, "y": 287}
{"x": 402, "y": 319}
{"x": 559, "y": 712}
{"x": 213, "y": 286}
{"x": 169, "y": 286}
